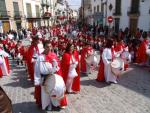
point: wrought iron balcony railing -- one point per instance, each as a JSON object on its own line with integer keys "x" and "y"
{"x": 17, "y": 14}
{"x": 133, "y": 12}
{"x": 117, "y": 12}
{"x": 46, "y": 15}
{"x": 4, "y": 14}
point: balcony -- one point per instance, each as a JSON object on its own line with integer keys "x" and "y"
{"x": 117, "y": 13}
{"x": 4, "y": 14}
{"x": 45, "y": 3}
{"x": 46, "y": 15}
{"x": 38, "y": 15}
{"x": 17, "y": 14}
{"x": 29, "y": 15}
{"x": 133, "y": 12}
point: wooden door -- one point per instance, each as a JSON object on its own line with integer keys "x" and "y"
{"x": 6, "y": 26}
{"x": 30, "y": 24}
{"x": 133, "y": 25}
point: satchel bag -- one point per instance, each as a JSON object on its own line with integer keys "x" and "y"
{"x": 45, "y": 68}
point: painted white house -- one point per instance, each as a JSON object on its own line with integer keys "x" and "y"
{"x": 32, "y": 13}
{"x": 126, "y": 13}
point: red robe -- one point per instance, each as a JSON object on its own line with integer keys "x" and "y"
{"x": 65, "y": 64}
{"x": 141, "y": 52}
{"x": 37, "y": 95}
{"x": 100, "y": 75}
{"x": 29, "y": 61}
{"x": 83, "y": 62}
{"x": 76, "y": 82}
{"x": 1, "y": 73}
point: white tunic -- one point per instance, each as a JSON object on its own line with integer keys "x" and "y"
{"x": 106, "y": 57}
{"x": 38, "y": 80}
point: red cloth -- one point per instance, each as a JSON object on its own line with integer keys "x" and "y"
{"x": 30, "y": 64}
{"x": 76, "y": 82}
{"x": 1, "y": 73}
{"x": 65, "y": 64}
{"x": 83, "y": 62}
{"x": 100, "y": 75}
{"x": 7, "y": 64}
{"x": 37, "y": 95}
{"x": 141, "y": 52}
{"x": 119, "y": 47}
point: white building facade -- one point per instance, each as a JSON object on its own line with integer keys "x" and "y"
{"x": 32, "y": 13}
{"x": 126, "y": 13}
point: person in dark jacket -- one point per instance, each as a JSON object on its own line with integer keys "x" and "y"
{"x": 5, "y": 102}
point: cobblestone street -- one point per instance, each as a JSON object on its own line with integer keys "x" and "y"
{"x": 130, "y": 95}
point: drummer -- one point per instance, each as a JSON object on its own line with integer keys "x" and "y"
{"x": 41, "y": 96}
{"x": 70, "y": 70}
{"x": 107, "y": 57}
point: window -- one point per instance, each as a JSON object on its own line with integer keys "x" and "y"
{"x": 97, "y": 8}
{"x": 102, "y": 8}
{"x": 37, "y": 11}
{"x": 118, "y": 7}
{"x": 29, "y": 11}
{"x": 135, "y": 6}
{"x": 16, "y": 8}
{"x": 3, "y": 10}
{"x": 94, "y": 9}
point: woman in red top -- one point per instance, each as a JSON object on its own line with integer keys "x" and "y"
{"x": 69, "y": 72}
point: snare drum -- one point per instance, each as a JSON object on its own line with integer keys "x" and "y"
{"x": 55, "y": 86}
{"x": 92, "y": 60}
{"x": 117, "y": 66}
{"x": 126, "y": 56}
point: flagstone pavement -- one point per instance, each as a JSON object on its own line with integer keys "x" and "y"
{"x": 130, "y": 95}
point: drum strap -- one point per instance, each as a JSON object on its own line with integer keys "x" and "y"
{"x": 44, "y": 78}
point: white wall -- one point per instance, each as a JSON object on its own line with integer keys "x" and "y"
{"x": 144, "y": 19}
{"x": 124, "y": 18}
{"x": 33, "y": 4}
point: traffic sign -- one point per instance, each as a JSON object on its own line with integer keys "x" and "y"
{"x": 110, "y": 19}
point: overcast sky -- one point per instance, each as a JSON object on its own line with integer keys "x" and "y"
{"x": 75, "y": 4}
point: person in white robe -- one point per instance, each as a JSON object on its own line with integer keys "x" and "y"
{"x": 107, "y": 57}
{"x": 41, "y": 70}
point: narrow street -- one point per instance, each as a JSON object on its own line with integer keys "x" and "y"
{"x": 130, "y": 95}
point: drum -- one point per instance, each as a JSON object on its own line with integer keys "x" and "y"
{"x": 55, "y": 86}
{"x": 148, "y": 49}
{"x": 126, "y": 56}
{"x": 117, "y": 66}
{"x": 148, "y": 52}
{"x": 26, "y": 42}
{"x": 92, "y": 60}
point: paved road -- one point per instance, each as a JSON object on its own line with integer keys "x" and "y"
{"x": 130, "y": 95}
